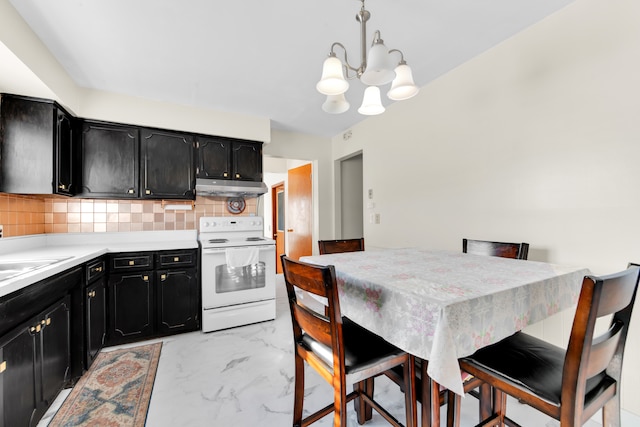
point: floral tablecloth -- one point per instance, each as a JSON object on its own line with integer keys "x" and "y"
{"x": 441, "y": 306}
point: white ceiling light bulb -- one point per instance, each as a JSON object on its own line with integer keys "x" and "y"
{"x": 371, "y": 103}
{"x": 335, "y": 104}
{"x": 332, "y": 81}
{"x": 403, "y": 86}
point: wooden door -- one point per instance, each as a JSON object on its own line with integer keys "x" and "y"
{"x": 299, "y": 212}
{"x": 278, "y": 208}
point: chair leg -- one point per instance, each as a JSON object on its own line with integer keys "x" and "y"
{"x": 298, "y": 391}
{"x": 611, "y": 412}
{"x": 363, "y": 411}
{"x": 454, "y": 403}
{"x": 340, "y": 402}
{"x": 500, "y": 405}
{"x": 485, "y": 407}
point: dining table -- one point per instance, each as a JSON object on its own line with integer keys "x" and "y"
{"x": 444, "y": 305}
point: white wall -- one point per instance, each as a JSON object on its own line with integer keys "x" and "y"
{"x": 537, "y": 140}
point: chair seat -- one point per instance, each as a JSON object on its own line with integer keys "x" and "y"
{"x": 533, "y": 364}
{"x": 363, "y": 348}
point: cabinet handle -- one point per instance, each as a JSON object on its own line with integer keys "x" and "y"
{"x": 237, "y": 175}
{"x": 145, "y": 278}
{"x": 225, "y": 174}
{"x": 92, "y": 294}
{"x": 36, "y": 328}
{"x": 147, "y": 191}
{"x": 163, "y": 277}
{"x": 3, "y": 366}
{"x": 130, "y": 191}
{"x": 62, "y": 187}
{"x": 132, "y": 262}
{"x": 48, "y": 321}
{"x": 176, "y": 259}
{"x": 98, "y": 269}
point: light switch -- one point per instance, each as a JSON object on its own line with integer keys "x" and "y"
{"x": 377, "y": 218}
{"x": 371, "y": 193}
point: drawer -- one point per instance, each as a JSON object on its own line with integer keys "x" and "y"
{"x": 171, "y": 259}
{"x": 95, "y": 269}
{"x": 124, "y": 262}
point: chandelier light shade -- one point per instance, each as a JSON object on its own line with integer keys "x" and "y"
{"x": 402, "y": 87}
{"x": 376, "y": 69}
{"x": 371, "y": 103}
{"x": 335, "y": 104}
{"x": 332, "y": 81}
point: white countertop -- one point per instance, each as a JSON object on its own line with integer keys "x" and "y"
{"x": 82, "y": 247}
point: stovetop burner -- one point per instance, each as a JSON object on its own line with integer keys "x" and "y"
{"x": 218, "y": 240}
{"x": 255, "y": 239}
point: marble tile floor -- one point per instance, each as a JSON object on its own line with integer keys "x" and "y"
{"x": 244, "y": 377}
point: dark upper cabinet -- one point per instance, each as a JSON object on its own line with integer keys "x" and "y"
{"x": 167, "y": 169}
{"x": 109, "y": 157}
{"x": 38, "y": 147}
{"x": 223, "y": 158}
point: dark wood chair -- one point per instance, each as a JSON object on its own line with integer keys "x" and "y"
{"x": 500, "y": 249}
{"x": 343, "y": 245}
{"x": 568, "y": 385}
{"x": 341, "y": 351}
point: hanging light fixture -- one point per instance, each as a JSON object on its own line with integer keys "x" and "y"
{"x": 376, "y": 70}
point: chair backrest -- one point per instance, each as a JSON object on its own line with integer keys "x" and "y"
{"x": 326, "y": 327}
{"x": 594, "y": 358}
{"x": 500, "y": 249}
{"x": 343, "y": 245}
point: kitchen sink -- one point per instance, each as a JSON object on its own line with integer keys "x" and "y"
{"x": 13, "y": 268}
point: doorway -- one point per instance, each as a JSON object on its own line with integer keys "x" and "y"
{"x": 278, "y": 205}
{"x": 351, "y": 221}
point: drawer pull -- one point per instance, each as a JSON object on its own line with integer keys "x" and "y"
{"x": 163, "y": 277}
{"x": 130, "y": 191}
{"x": 98, "y": 269}
{"x": 36, "y": 328}
{"x": 3, "y": 366}
{"x": 147, "y": 191}
{"x": 92, "y": 294}
{"x": 48, "y": 321}
{"x": 176, "y": 259}
{"x": 132, "y": 262}
{"x": 145, "y": 278}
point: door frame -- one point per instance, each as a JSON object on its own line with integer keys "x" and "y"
{"x": 274, "y": 222}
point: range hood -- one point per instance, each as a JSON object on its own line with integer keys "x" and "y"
{"x": 229, "y": 188}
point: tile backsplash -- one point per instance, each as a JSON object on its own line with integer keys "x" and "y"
{"x": 21, "y": 215}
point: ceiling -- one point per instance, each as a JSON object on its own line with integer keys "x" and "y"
{"x": 262, "y": 58}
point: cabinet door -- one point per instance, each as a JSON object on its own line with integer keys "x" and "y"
{"x": 96, "y": 319}
{"x": 178, "y": 301}
{"x": 64, "y": 149}
{"x": 27, "y": 158}
{"x": 247, "y": 161}
{"x": 17, "y": 379}
{"x": 167, "y": 165}
{"x": 55, "y": 350}
{"x": 130, "y": 307}
{"x": 110, "y": 159}
{"x": 214, "y": 158}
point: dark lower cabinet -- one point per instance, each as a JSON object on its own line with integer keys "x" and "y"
{"x": 95, "y": 310}
{"x": 152, "y": 294}
{"x": 35, "y": 365}
{"x": 18, "y": 383}
{"x": 131, "y": 308}
{"x": 178, "y": 301}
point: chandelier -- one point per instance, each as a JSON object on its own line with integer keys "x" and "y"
{"x": 375, "y": 71}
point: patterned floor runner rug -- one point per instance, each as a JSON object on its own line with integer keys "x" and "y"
{"x": 115, "y": 391}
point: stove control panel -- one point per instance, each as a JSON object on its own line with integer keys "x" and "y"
{"x": 230, "y": 224}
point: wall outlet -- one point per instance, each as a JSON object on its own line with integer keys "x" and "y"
{"x": 377, "y": 218}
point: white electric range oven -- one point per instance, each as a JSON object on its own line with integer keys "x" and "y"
{"x": 237, "y": 271}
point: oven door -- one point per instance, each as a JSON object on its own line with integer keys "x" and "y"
{"x": 223, "y": 285}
